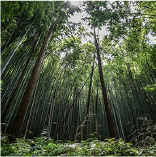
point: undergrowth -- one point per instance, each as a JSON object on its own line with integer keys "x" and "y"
{"x": 47, "y": 147}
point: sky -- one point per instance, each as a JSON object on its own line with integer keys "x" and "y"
{"x": 77, "y": 18}
{"x": 75, "y": 2}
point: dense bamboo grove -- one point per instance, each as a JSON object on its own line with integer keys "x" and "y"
{"x": 102, "y": 88}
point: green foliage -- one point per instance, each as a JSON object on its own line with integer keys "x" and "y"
{"x": 151, "y": 87}
{"x": 42, "y": 147}
{"x": 92, "y": 137}
{"x": 5, "y": 146}
{"x": 28, "y": 11}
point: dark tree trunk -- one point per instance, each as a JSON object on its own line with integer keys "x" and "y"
{"x": 16, "y": 127}
{"x": 84, "y": 127}
{"x": 95, "y": 129}
{"x": 107, "y": 109}
{"x": 76, "y": 110}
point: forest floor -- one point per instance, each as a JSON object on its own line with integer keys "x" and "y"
{"x": 47, "y": 147}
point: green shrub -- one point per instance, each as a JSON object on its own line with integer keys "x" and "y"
{"x": 41, "y": 147}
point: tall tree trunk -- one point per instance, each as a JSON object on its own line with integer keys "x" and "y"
{"x": 57, "y": 123}
{"x": 84, "y": 127}
{"x": 19, "y": 82}
{"x": 30, "y": 113}
{"x": 52, "y": 110}
{"x": 16, "y": 127}
{"x": 108, "y": 112}
{"x": 95, "y": 129}
{"x": 76, "y": 110}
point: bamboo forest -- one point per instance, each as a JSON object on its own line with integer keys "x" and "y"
{"x": 78, "y": 78}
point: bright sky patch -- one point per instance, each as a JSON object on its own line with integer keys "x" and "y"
{"x": 74, "y": 2}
